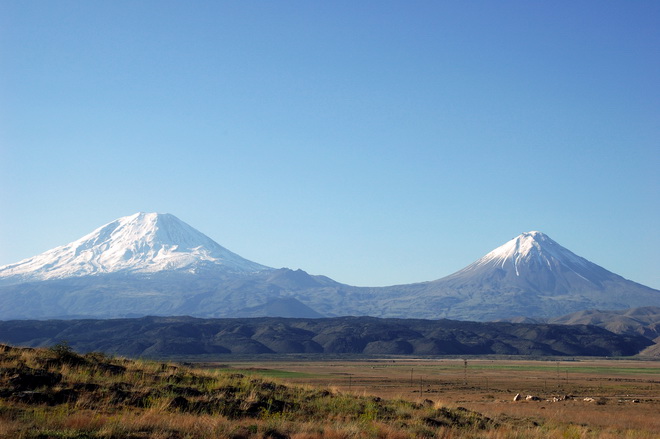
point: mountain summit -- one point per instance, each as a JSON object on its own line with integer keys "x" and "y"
{"x": 155, "y": 264}
{"x": 533, "y": 260}
{"x": 531, "y": 250}
{"x": 532, "y": 275}
{"x": 139, "y": 243}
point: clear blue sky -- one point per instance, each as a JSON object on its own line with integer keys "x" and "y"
{"x": 375, "y": 142}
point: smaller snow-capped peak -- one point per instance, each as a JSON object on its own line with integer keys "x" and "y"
{"x": 531, "y": 248}
{"x": 140, "y": 243}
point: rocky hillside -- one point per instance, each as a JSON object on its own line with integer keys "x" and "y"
{"x": 186, "y": 336}
{"x": 643, "y": 321}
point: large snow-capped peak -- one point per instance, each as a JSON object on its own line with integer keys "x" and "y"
{"x": 139, "y": 243}
{"x": 531, "y": 248}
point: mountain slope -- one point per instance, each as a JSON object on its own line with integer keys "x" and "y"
{"x": 533, "y": 260}
{"x": 531, "y": 276}
{"x": 644, "y": 321}
{"x": 140, "y": 243}
{"x": 164, "y": 336}
{"x": 154, "y": 264}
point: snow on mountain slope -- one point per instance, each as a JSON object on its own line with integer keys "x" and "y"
{"x": 153, "y": 264}
{"x": 529, "y": 248}
{"x": 532, "y": 276}
{"x": 531, "y": 255}
{"x": 139, "y": 243}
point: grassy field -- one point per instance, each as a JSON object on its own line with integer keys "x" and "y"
{"x": 625, "y": 393}
{"x": 56, "y": 393}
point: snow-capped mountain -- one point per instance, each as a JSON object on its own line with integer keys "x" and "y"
{"x": 154, "y": 264}
{"x": 533, "y": 276}
{"x": 533, "y": 260}
{"x": 530, "y": 250}
{"x": 139, "y": 243}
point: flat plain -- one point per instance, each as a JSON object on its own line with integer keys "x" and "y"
{"x": 616, "y": 397}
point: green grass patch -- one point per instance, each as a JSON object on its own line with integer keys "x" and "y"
{"x": 596, "y": 370}
{"x": 615, "y": 370}
{"x": 269, "y": 373}
{"x": 549, "y": 368}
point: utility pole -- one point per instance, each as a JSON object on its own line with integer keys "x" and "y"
{"x": 465, "y": 372}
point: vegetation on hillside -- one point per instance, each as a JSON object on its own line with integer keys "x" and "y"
{"x": 158, "y": 337}
{"x": 57, "y": 393}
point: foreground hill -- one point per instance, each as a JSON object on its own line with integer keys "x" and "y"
{"x": 187, "y": 336}
{"x": 57, "y": 393}
{"x": 155, "y": 264}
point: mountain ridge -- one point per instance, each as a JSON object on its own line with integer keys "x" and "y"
{"x": 155, "y": 264}
{"x": 170, "y": 336}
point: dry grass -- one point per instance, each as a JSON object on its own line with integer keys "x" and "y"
{"x": 93, "y": 396}
{"x": 488, "y": 386}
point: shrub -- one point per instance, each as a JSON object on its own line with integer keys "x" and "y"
{"x": 64, "y": 354}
